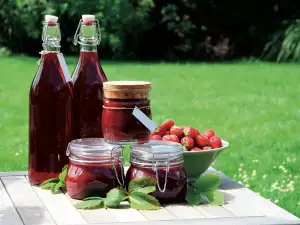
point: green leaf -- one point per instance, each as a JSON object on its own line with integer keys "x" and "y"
{"x": 147, "y": 190}
{"x": 192, "y": 197}
{"x": 206, "y": 183}
{"x": 142, "y": 201}
{"x": 140, "y": 183}
{"x": 56, "y": 186}
{"x": 63, "y": 174}
{"x": 90, "y": 204}
{"x": 114, "y": 197}
{"x": 214, "y": 197}
{"x": 48, "y": 183}
{"x": 93, "y": 198}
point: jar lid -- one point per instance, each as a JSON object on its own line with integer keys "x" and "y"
{"x": 126, "y": 85}
{"x": 94, "y": 149}
{"x": 157, "y": 152}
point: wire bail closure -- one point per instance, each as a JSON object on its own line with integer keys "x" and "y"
{"x": 77, "y": 34}
{"x": 113, "y": 160}
{"x": 155, "y": 167}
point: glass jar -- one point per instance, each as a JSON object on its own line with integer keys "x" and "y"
{"x": 95, "y": 167}
{"x": 119, "y": 125}
{"x": 163, "y": 161}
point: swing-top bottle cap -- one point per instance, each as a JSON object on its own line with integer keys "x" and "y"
{"x": 88, "y": 19}
{"x": 51, "y": 19}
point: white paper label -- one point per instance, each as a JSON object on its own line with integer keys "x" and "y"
{"x": 145, "y": 120}
{"x": 64, "y": 67}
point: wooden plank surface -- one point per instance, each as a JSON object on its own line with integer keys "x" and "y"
{"x": 60, "y": 208}
{"x": 160, "y": 214}
{"x": 183, "y": 211}
{"x": 25, "y": 200}
{"x": 212, "y": 211}
{"x": 16, "y": 173}
{"x": 126, "y": 214}
{"x": 94, "y": 215}
{"x": 8, "y": 213}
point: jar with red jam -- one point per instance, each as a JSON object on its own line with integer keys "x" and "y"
{"x": 95, "y": 167}
{"x": 163, "y": 161}
{"x": 119, "y": 125}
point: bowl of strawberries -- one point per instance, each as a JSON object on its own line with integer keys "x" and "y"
{"x": 199, "y": 149}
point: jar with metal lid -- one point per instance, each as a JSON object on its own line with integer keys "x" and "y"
{"x": 163, "y": 161}
{"x": 119, "y": 125}
{"x": 95, "y": 167}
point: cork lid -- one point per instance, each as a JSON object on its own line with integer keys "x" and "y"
{"x": 126, "y": 85}
{"x": 126, "y": 89}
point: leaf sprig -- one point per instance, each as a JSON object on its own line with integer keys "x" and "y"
{"x": 204, "y": 190}
{"x": 54, "y": 184}
{"x": 137, "y": 195}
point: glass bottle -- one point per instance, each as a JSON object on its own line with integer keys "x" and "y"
{"x": 88, "y": 80}
{"x": 50, "y": 109}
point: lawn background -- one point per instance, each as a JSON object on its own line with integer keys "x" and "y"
{"x": 253, "y": 105}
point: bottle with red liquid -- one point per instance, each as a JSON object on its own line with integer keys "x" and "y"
{"x": 88, "y": 78}
{"x": 50, "y": 108}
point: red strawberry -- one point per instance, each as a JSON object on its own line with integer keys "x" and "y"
{"x": 206, "y": 148}
{"x": 155, "y": 137}
{"x": 209, "y": 134}
{"x": 168, "y": 133}
{"x": 215, "y": 142}
{"x": 190, "y": 132}
{"x": 201, "y": 140}
{"x": 165, "y": 126}
{"x": 195, "y": 149}
{"x": 171, "y": 137}
{"x": 178, "y": 131}
{"x": 187, "y": 142}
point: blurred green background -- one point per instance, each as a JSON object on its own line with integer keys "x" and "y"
{"x": 207, "y": 61}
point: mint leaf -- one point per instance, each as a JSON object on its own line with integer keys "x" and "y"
{"x": 142, "y": 201}
{"x": 63, "y": 174}
{"x": 48, "y": 183}
{"x": 214, "y": 197}
{"x": 140, "y": 183}
{"x": 90, "y": 204}
{"x": 114, "y": 197}
{"x": 56, "y": 186}
{"x": 192, "y": 197}
{"x": 206, "y": 183}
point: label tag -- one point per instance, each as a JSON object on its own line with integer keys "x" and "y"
{"x": 145, "y": 120}
{"x": 64, "y": 67}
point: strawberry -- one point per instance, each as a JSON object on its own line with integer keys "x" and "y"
{"x": 215, "y": 142}
{"x": 195, "y": 149}
{"x": 206, "y": 148}
{"x": 209, "y": 134}
{"x": 178, "y": 131}
{"x": 165, "y": 126}
{"x": 155, "y": 137}
{"x": 201, "y": 140}
{"x": 158, "y": 132}
{"x": 171, "y": 137}
{"x": 168, "y": 133}
{"x": 187, "y": 142}
{"x": 190, "y": 132}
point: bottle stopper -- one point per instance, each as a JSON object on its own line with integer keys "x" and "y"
{"x": 51, "y": 20}
{"x": 88, "y": 19}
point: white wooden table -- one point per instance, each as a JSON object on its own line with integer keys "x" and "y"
{"x": 22, "y": 204}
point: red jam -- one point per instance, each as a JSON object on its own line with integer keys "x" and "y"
{"x": 163, "y": 161}
{"x": 176, "y": 181}
{"x": 95, "y": 168}
{"x": 90, "y": 180}
{"x": 118, "y": 123}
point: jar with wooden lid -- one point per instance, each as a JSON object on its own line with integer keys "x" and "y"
{"x": 119, "y": 125}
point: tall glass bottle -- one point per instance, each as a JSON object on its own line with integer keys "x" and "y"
{"x": 50, "y": 112}
{"x": 88, "y": 78}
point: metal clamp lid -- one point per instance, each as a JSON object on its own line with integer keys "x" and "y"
{"x": 77, "y": 34}
{"x": 155, "y": 169}
{"x": 120, "y": 160}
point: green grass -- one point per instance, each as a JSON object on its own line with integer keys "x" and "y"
{"x": 254, "y": 106}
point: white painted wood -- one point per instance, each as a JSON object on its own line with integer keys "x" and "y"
{"x": 60, "y": 208}
{"x": 211, "y": 211}
{"x": 94, "y": 215}
{"x": 160, "y": 214}
{"x": 27, "y": 203}
{"x": 16, "y": 173}
{"x": 8, "y": 213}
{"x": 183, "y": 211}
{"x": 126, "y": 214}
